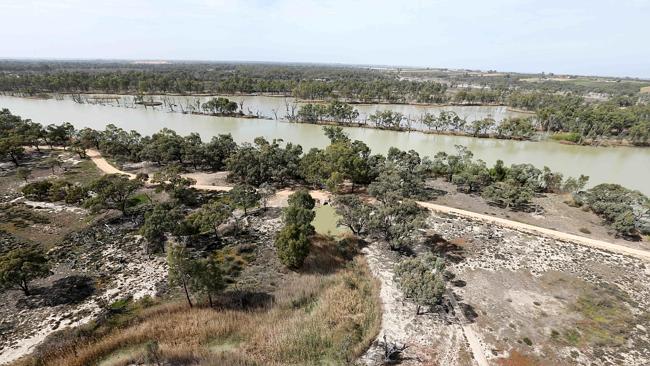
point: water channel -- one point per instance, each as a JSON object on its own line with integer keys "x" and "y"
{"x": 627, "y": 166}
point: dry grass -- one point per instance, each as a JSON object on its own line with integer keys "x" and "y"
{"x": 645, "y": 89}
{"x": 517, "y": 359}
{"x": 315, "y": 318}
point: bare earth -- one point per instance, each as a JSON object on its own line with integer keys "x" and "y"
{"x": 526, "y": 299}
{"x": 524, "y": 291}
{"x": 523, "y": 227}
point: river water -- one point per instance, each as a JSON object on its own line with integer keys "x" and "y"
{"x": 627, "y": 166}
{"x": 276, "y": 107}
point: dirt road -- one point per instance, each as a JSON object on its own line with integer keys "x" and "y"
{"x": 281, "y": 196}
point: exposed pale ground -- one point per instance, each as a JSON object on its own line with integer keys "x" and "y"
{"x": 527, "y": 228}
{"x": 507, "y": 268}
{"x": 514, "y": 286}
{"x": 125, "y": 272}
{"x": 429, "y": 340}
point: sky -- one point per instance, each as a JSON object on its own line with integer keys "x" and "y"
{"x": 586, "y": 37}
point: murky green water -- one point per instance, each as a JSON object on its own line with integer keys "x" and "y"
{"x": 326, "y": 220}
{"x": 624, "y": 165}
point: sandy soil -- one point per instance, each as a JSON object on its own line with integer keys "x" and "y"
{"x": 555, "y": 214}
{"x": 429, "y": 339}
{"x": 517, "y": 290}
{"x": 322, "y": 196}
{"x": 526, "y": 287}
{"x": 117, "y": 271}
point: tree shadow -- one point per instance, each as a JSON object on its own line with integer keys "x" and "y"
{"x": 468, "y": 310}
{"x": 434, "y": 193}
{"x": 65, "y": 291}
{"x": 528, "y": 208}
{"x": 328, "y": 255}
{"x": 244, "y": 300}
{"x": 440, "y": 246}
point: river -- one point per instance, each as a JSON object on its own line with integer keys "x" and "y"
{"x": 627, "y": 166}
{"x": 272, "y": 107}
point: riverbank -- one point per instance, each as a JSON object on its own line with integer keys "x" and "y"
{"x": 256, "y": 110}
{"x": 267, "y": 94}
{"x": 623, "y": 162}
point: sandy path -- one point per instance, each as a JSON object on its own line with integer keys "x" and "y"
{"x": 400, "y": 324}
{"x": 322, "y": 196}
{"x": 468, "y": 331}
{"x": 536, "y": 230}
{"x": 104, "y": 165}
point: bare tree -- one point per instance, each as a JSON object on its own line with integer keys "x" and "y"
{"x": 291, "y": 110}
{"x": 392, "y": 351}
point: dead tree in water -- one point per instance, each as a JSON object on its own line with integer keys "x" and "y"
{"x": 291, "y": 110}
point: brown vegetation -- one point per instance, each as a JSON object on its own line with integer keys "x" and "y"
{"x": 322, "y": 315}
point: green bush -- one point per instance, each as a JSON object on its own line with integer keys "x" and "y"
{"x": 39, "y": 190}
{"x": 625, "y": 210}
{"x": 292, "y": 244}
{"x": 567, "y": 136}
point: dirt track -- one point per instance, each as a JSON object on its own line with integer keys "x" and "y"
{"x": 281, "y": 196}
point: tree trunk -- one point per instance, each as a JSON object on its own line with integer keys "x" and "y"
{"x": 24, "y": 287}
{"x": 14, "y": 159}
{"x": 187, "y": 294}
{"x": 210, "y": 299}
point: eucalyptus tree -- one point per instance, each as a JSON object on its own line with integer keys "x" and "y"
{"x": 20, "y": 266}
{"x": 421, "y": 279}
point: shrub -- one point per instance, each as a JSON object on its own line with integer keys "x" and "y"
{"x": 421, "y": 279}
{"x": 625, "y": 210}
{"x": 39, "y": 190}
{"x": 292, "y": 244}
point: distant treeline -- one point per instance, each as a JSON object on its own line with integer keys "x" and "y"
{"x": 570, "y": 116}
{"x": 352, "y": 84}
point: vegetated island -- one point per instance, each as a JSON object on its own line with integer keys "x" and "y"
{"x": 568, "y": 108}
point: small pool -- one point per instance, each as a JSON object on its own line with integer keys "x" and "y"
{"x": 326, "y": 221}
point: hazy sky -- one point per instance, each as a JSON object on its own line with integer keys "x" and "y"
{"x": 606, "y": 37}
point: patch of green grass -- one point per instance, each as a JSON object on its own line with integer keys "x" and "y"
{"x": 138, "y": 199}
{"x": 119, "y": 305}
{"x": 567, "y": 136}
{"x": 606, "y": 318}
{"x": 572, "y": 336}
{"x": 83, "y": 173}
